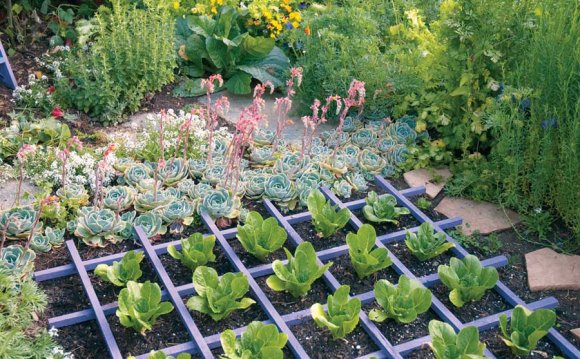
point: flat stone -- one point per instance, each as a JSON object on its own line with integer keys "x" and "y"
{"x": 576, "y": 333}
{"x": 550, "y": 270}
{"x": 432, "y": 179}
{"x": 483, "y": 217}
{"x": 8, "y": 192}
{"x": 292, "y": 133}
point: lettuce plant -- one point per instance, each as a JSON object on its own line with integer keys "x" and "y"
{"x": 19, "y": 222}
{"x": 129, "y": 268}
{"x": 383, "y": 208}
{"x": 140, "y": 305}
{"x": 296, "y": 277}
{"x": 177, "y": 214}
{"x": 342, "y": 315}
{"x": 95, "y": 226}
{"x": 467, "y": 279}
{"x": 195, "y": 251}
{"x": 403, "y": 302}
{"x": 218, "y": 297}
{"x": 363, "y": 257}
{"x": 326, "y": 219}
{"x": 259, "y": 341}
{"x": 426, "y": 243}
{"x": 161, "y": 355}
{"x": 526, "y": 328}
{"x": 261, "y": 237}
{"x": 446, "y": 344}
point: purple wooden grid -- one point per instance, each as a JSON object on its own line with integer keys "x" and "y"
{"x": 6, "y": 74}
{"x": 291, "y": 319}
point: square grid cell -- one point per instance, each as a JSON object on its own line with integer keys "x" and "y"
{"x": 202, "y": 346}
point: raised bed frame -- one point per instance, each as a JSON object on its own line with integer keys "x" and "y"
{"x": 202, "y": 345}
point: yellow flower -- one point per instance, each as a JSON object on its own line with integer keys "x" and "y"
{"x": 421, "y": 126}
{"x": 220, "y": 2}
{"x": 213, "y": 10}
{"x": 176, "y": 5}
{"x": 439, "y": 143}
{"x": 295, "y": 15}
{"x": 295, "y": 24}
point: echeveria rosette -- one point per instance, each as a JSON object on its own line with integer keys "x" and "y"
{"x": 95, "y": 226}
{"x": 148, "y": 201}
{"x": 218, "y": 296}
{"x": 197, "y": 167}
{"x": 17, "y": 260}
{"x": 383, "y": 208}
{"x": 351, "y": 124}
{"x": 119, "y": 198}
{"x": 308, "y": 179}
{"x": 177, "y": 214}
{"x": 73, "y": 195}
{"x": 401, "y": 133}
{"x": 385, "y": 144}
{"x": 174, "y": 171}
{"x": 259, "y": 341}
{"x": 526, "y": 328}
{"x": 342, "y": 188}
{"x": 337, "y": 165}
{"x": 281, "y": 190}
{"x": 467, "y": 279}
{"x": 40, "y": 243}
{"x": 364, "y": 138}
{"x": 121, "y": 164}
{"x": 350, "y": 153}
{"x": 152, "y": 224}
{"x": 403, "y": 302}
{"x": 187, "y": 188}
{"x": 256, "y": 185}
{"x": 55, "y": 236}
{"x": 319, "y": 150}
{"x": 214, "y": 174}
{"x": 370, "y": 163}
{"x": 201, "y": 190}
{"x": 21, "y": 221}
{"x": 264, "y": 137}
{"x": 342, "y": 315}
{"x": 357, "y": 181}
{"x": 220, "y": 146}
{"x": 221, "y": 203}
{"x": 291, "y": 165}
{"x": 136, "y": 173}
{"x": 128, "y": 218}
{"x": 396, "y": 155}
{"x": 389, "y": 171}
{"x": 196, "y": 250}
{"x": 262, "y": 156}
{"x": 337, "y": 140}
{"x": 147, "y": 185}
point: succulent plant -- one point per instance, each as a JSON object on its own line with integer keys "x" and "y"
{"x": 220, "y": 146}
{"x": 256, "y": 185}
{"x": 136, "y": 173}
{"x": 342, "y": 188}
{"x": 119, "y": 198}
{"x": 152, "y": 224}
{"x": 197, "y": 167}
{"x": 262, "y": 156}
{"x": 337, "y": 140}
{"x": 389, "y": 171}
{"x": 95, "y": 226}
{"x": 174, "y": 171}
{"x": 385, "y": 143}
{"x": 337, "y": 165}
{"x": 147, "y": 201}
{"x": 55, "y": 236}
{"x": 363, "y": 138}
{"x": 214, "y": 174}
{"x": 202, "y": 189}
{"x": 396, "y": 154}
{"x": 122, "y": 163}
{"x": 350, "y": 153}
{"x": 21, "y": 221}
{"x": 177, "y": 214}
{"x": 73, "y": 195}
{"x": 351, "y": 124}
{"x": 291, "y": 165}
{"x": 127, "y": 231}
{"x": 370, "y": 163}
{"x": 281, "y": 190}
{"x": 358, "y": 181}
{"x": 40, "y": 243}
{"x": 17, "y": 260}
{"x": 221, "y": 203}
{"x": 264, "y": 137}
{"x": 401, "y": 133}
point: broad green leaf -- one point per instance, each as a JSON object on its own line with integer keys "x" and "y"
{"x": 239, "y": 83}
{"x": 258, "y": 47}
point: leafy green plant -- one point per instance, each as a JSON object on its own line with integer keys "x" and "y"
{"x": 96, "y": 226}
{"x": 383, "y": 208}
{"x": 218, "y": 297}
{"x": 486, "y": 245}
{"x": 128, "y": 269}
{"x": 140, "y": 305}
{"x": 363, "y": 257}
{"x": 467, "y": 279}
{"x": 426, "y": 244}
{"x": 261, "y": 237}
{"x": 446, "y": 344}
{"x": 342, "y": 314}
{"x": 423, "y": 203}
{"x": 196, "y": 250}
{"x": 218, "y": 44}
{"x": 526, "y": 328}
{"x": 161, "y": 355}
{"x": 296, "y": 277}
{"x": 259, "y": 341}
{"x": 326, "y": 219}
{"x": 403, "y": 302}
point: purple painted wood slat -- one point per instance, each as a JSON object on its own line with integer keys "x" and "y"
{"x": 186, "y": 318}
{"x": 265, "y": 303}
{"x": 94, "y": 300}
{"x": 6, "y": 74}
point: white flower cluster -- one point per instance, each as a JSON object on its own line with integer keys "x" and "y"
{"x": 57, "y": 352}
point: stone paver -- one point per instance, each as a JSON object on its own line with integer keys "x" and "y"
{"x": 425, "y": 177}
{"x": 550, "y": 270}
{"x": 8, "y": 192}
{"x": 576, "y": 333}
{"x": 484, "y": 217}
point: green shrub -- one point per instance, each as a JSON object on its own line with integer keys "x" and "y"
{"x": 132, "y": 54}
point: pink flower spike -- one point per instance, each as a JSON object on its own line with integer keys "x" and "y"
{"x": 296, "y": 72}
{"x": 24, "y": 151}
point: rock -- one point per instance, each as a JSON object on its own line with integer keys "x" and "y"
{"x": 484, "y": 217}
{"x": 8, "y": 192}
{"x": 550, "y": 270}
{"x": 576, "y": 333}
{"x": 433, "y": 180}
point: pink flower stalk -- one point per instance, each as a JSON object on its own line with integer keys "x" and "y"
{"x": 101, "y": 166}
{"x": 283, "y": 105}
{"x": 211, "y": 115}
{"x": 185, "y": 128}
{"x": 162, "y": 116}
{"x": 64, "y": 155}
{"x": 22, "y": 154}
{"x": 310, "y": 126}
{"x": 220, "y": 108}
{"x": 160, "y": 165}
{"x": 356, "y": 98}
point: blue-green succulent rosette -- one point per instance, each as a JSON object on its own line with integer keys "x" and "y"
{"x": 263, "y": 137}
{"x": 186, "y": 187}
{"x": 401, "y": 133}
{"x": 291, "y": 164}
{"x": 177, "y": 214}
{"x": 73, "y": 195}
{"x": 396, "y": 155}
{"x": 119, "y": 198}
{"x": 364, "y": 138}
{"x": 221, "y": 203}
{"x": 152, "y": 224}
{"x": 389, "y": 171}
{"x": 256, "y": 185}
{"x": 197, "y": 167}
{"x": 319, "y": 151}
{"x": 351, "y": 124}
{"x": 214, "y": 174}
{"x": 358, "y": 181}
{"x": 370, "y": 163}
{"x": 220, "y": 146}
{"x": 412, "y": 122}
{"x": 121, "y": 164}
{"x": 342, "y": 188}
{"x": 351, "y": 156}
{"x": 19, "y": 222}
{"x": 385, "y": 143}
{"x": 128, "y": 218}
{"x": 338, "y": 140}
{"x": 40, "y": 244}
{"x": 317, "y": 141}
{"x": 55, "y": 236}
{"x": 136, "y": 173}
{"x": 262, "y": 156}
{"x": 96, "y": 226}
{"x": 174, "y": 171}
{"x": 281, "y": 190}
{"x": 309, "y": 179}
{"x": 147, "y": 201}
{"x": 17, "y": 260}
{"x": 201, "y": 190}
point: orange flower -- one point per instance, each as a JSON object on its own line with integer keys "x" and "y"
{"x": 307, "y": 30}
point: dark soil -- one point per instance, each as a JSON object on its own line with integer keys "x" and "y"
{"x": 65, "y": 295}
{"x": 431, "y": 212}
{"x": 87, "y": 252}
{"x": 256, "y": 206}
{"x": 491, "y": 303}
{"x": 55, "y": 258}
{"x": 399, "y": 183}
{"x": 108, "y": 292}
{"x": 405, "y": 222}
{"x": 318, "y": 342}
{"x": 180, "y": 274}
{"x": 288, "y": 212}
{"x": 219, "y": 352}
{"x": 285, "y": 303}
{"x": 418, "y": 268}
{"x": 308, "y": 234}
{"x": 363, "y": 194}
{"x": 168, "y": 330}
{"x": 398, "y": 333}
{"x": 492, "y": 338}
{"x": 345, "y": 274}
{"x": 236, "y": 319}
{"x": 423, "y": 353}
{"x": 250, "y": 261}
{"x": 83, "y": 340}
